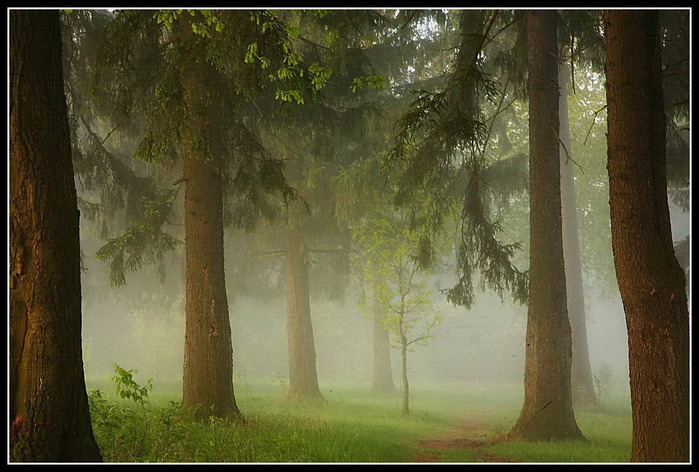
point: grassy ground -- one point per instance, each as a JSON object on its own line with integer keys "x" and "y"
{"x": 608, "y": 435}
{"x": 354, "y": 426}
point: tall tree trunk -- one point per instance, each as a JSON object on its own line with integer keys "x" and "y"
{"x": 651, "y": 282}
{"x": 383, "y": 376}
{"x": 547, "y": 413}
{"x": 49, "y": 415}
{"x": 581, "y": 375}
{"x": 303, "y": 377}
{"x": 208, "y": 353}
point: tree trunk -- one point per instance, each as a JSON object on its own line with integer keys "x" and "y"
{"x": 651, "y": 282}
{"x": 208, "y": 353}
{"x": 49, "y": 414}
{"x": 404, "y": 376}
{"x": 303, "y": 377}
{"x": 547, "y": 413}
{"x": 581, "y": 375}
{"x": 383, "y": 376}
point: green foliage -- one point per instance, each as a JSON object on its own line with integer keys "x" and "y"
{"x": 290, "y": 96}
{"x": 230, "y": 42}
{"x": 480, "y": 251}
{"x": 251, "y": 56}
{"x": 142, "y": 242}
{"x": 376, "y": 81}
{"x": 167, "y": 17}
{"x": 388, "y": 254}
{"x": 440, "y": 153}
{"x": 152, "y": 434}
{"x": 320, "y": 74}
{"x": 117, "y": 428}
{"x": 125, "y": 66}
{"x": 127, "y": 387}
{"x": 291, "y": 67}
{"x": 211, "y": 24}
{"x": 258, "y": 176}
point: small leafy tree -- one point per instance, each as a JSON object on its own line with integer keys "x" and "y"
{"x": 388, "y": 258}
{"x": 408, "y": 314}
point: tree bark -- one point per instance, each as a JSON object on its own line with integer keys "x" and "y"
{"x": 303, "y": 376}
{"x": 581, "y": 375}
{"x": 49, "y": 414}
{"x": 651, "y": 282}
{"x": 208, "y": 352}
{"x": 547, "y": 413}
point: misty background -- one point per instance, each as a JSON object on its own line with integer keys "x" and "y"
{"x": 141, "y": 326}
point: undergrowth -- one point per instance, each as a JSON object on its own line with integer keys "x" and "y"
{"x": 354, "y": 426}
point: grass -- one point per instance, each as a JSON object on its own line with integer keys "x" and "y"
{"x": 607, "y": 432}
{"x": 354, "y": 426}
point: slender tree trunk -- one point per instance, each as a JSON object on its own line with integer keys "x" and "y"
{"x": 208, "y": 353}
{"x": 404, "y": 376}
{"x": 383, "y": 376}
{"x": 651, "y": 282}
{"x": 581, "y": 375}
{"x": 49, "y": 414}
{"x": 303, "y": 377}
{"x": 547, "y": 413}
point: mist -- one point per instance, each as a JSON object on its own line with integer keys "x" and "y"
{"x": 141, "y": 326}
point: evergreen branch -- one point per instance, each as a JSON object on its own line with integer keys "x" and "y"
{"x": 142, "y": 242}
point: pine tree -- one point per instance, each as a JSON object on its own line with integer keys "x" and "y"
{"x": 547, "y": 412}
{"x": 49, "y": 415}
{"x": 651, "y": 282}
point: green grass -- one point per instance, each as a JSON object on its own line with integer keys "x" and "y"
{"x": 354, "y": 426}
{"x": 608, "y": 439}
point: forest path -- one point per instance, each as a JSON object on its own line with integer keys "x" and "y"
{"x": 469, "y": 432}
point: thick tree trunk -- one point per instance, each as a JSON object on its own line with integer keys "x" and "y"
{"x": 383, "y": 376}
{"x": 208, "y": 353}
{"x": 49, "y": 415}
{"x": 547, "y": 413}
{"x": 651, "y": 282}
{"x": 581, "y": 375}
{"x": 303, "y": 377}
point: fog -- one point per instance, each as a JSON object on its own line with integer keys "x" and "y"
{"x": 141, "y": 326}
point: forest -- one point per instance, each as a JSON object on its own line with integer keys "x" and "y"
{"x": 348, "y": 235}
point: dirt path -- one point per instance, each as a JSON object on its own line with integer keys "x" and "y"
{"x": 470, "y": 432}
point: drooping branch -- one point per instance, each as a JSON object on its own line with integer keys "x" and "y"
{"x": 440, "y": 146}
